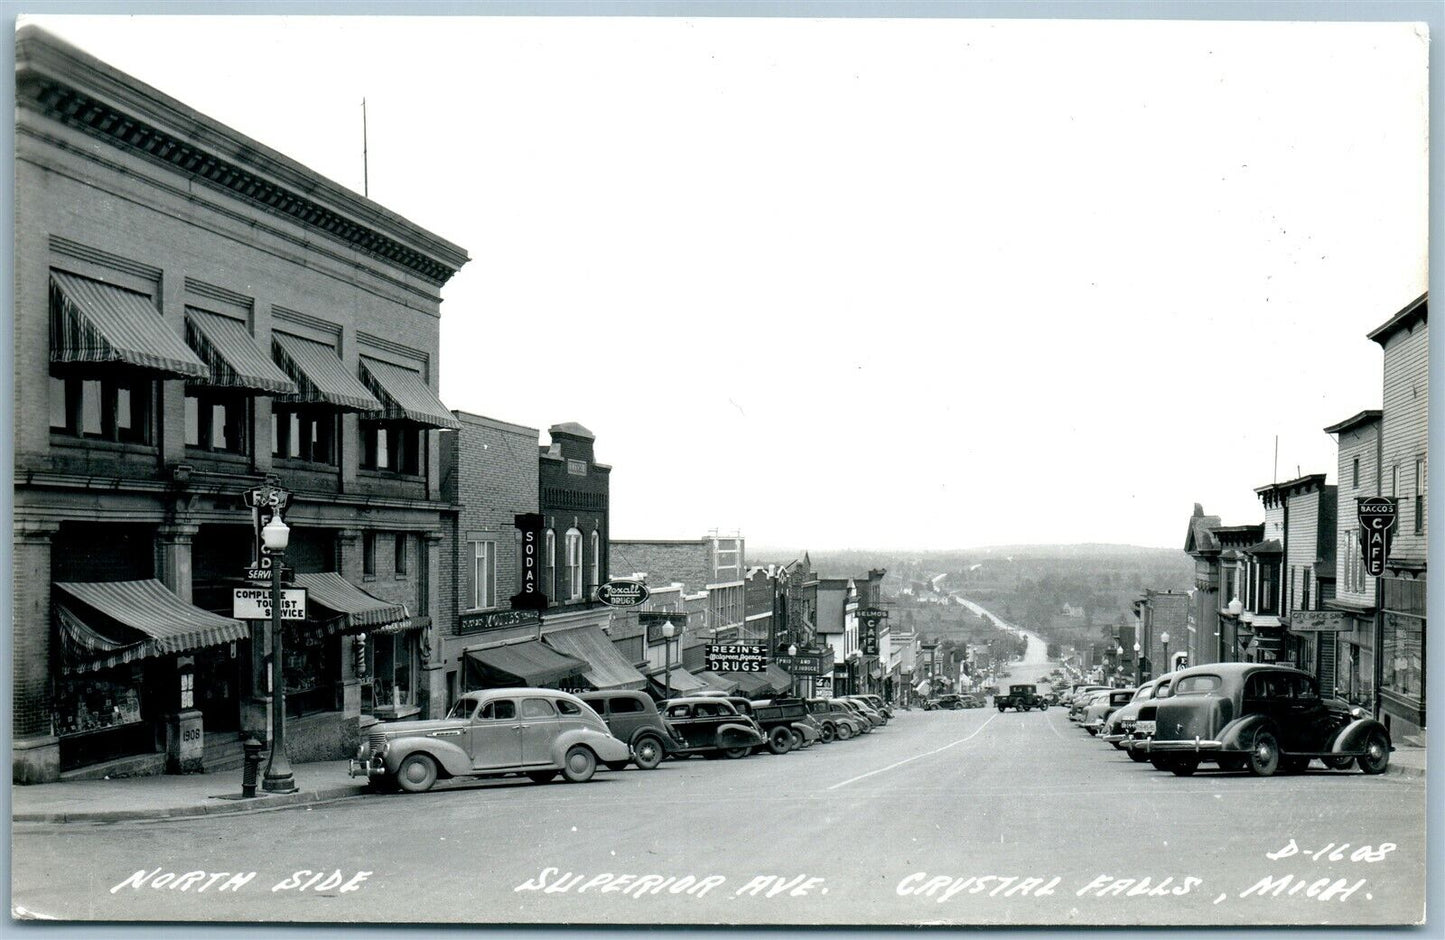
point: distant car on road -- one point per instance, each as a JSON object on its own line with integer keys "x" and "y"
{"x": 969, "y": 701}
{"x": 1021, "y": 697}
{"x": 947, "y": 702}
{"x": 1262, "y": 718}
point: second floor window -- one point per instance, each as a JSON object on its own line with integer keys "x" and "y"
{"x": 484, "y": 575}
{"x": 218, "y": 421}
{"x": 549, "y": 566}
{"x": 596, "y": 558}
{"x": 574, "y": 564}
{"x": 304, "y": 434}
{"x": 1420, "y": 496}
{"x": 108, "y": 409}
{"x": 1268, "y": 588}
{"x": 1355, "y": 473}
{"x": 400, "y": 549}
{"x": 368, "y": 554}
{"x": 392, "y": 445}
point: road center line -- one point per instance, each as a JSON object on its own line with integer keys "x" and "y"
{"x": 914, "y": 757}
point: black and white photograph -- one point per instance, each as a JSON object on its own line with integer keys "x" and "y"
{"x": 687, "y": 466}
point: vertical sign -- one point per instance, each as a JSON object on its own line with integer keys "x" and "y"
{"x": 531, "y": 597}
{"x": 1377, "y": 518}
{"x": 870, "y": 619}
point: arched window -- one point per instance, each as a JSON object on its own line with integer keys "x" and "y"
{"x": 574, "y": 564}
{"x": 549, "y": 566}
{"x": 596, "y": 558}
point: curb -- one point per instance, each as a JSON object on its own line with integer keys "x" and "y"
{"x": 215, "y": 807}
{"x": 1406, "y": 771}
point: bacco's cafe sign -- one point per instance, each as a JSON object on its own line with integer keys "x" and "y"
{"x": 1377, "y": 519}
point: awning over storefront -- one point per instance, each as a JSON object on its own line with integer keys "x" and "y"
{"x": 345, "y": 608}
{"x": 718, "y": 681}
{"x": 529, "y": 663}
{"x": 235, "y": 361}
{"x": 751, "y": 684}
{"x": 91, "y": 322}
{"x": 104, "y": 624}
{"x": 780, "y": 679}
{"x": 405, "y": 396}
{"x": 320, "y": 377}
{"x": 681, "y": 682}
{"x": 606, "y": 668}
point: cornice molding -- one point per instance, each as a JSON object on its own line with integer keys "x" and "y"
{"x": 76, "y": 89}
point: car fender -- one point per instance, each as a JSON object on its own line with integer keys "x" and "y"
{"x": 605, "y": 746}
{"x": 737, "y": 735}
{"x": 451, "y": 757}
{"x": 1351, "y": 738}
{"x": 1238, "y": 735}
{"x": 668, "y": 744}
{"x": 809, "y": 733}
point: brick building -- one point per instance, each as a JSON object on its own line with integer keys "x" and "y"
{"x": 1201, "y": 545}
{"x": 714, "y": 563}
{"x": 1159, "y": 614}
{"x": 196, "y": 313}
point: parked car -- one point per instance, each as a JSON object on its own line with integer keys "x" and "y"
{"x": 536, "y": 732}
{"x": 1262, "y": 718}
{"x": 1076, "y": 689}
{"x": 1144, "y": 725}
{"x": 877, "y": 718}
{"x": 969, "y": 701}
{"x": 805, "y": 730}
{"x": 948, "y": 702}
{"x": 868, "y": 721}
{"x": 837, "y": 721}
{"x": 1083, "y": 700}
{"x": 1119, "y": 729}
{"x": 1021, "y": 697}
{"x": 879, "y": 706}
{"x": 775, "y": 727}
{"x": 633, "y": 717}
{"x": 712, "y": 726}
{"x": 1104, "y": 705}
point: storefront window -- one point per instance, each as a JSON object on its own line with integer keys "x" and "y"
{"x": 391, "y": 668}
{"x": 1402, "y": 655}
{"x": 95, "y": 703}
{"x": 311, "y": 669}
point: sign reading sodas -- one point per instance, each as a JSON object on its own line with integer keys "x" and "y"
{"x": 533, "y": 594}
{"x": 1377, "y": 519}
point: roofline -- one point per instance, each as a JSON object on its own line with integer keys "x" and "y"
{"x": 1312, "y": 479}
{"x": 467, "y": 417}
{"x": 195, "y": 145}
{"x": 1406, "y": 318}
{"x": 1368, "y": 416}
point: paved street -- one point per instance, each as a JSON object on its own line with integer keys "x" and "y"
{"x": 873, "y": 830}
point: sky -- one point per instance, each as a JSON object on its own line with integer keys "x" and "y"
{"x": 891, "y": 284}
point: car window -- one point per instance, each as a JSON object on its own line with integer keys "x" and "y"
{"x": 624, "y": 706}
{"x": 567, "y": 707}
{"x": 1198, "y": 685}
{"x": 538, "y": 708}
{"x": 500, "y": 709}
{"x": 1263, "y": 685}
{"x": 1305, "y": 687}
{"x": 706, "y": 710}
{"x": 463, "y": 708}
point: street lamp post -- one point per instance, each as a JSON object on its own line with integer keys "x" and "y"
{"x": 667, "y": 631}
{"x": 275, "y": 535}
{"x": 792, "y": 652}
{"x": 1164, "y": 639}
{"x": 1119, "y": 661}
{"x": 1138, "y": 666}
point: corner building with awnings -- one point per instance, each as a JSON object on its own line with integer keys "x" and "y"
{"x": 196, "y": 313}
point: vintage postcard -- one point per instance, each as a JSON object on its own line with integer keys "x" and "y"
{"x": 564, "y": 470}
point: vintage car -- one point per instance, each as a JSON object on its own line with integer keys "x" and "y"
{"x": 632, "y": 717}
{"x": 876, "y": 717}
{"x": 1021, "y": 697}
{"x": 871, "y": 719}
{"x": 712, "y": 727}
{"x": 1103, "y": 706}
{"x": 1143, "y": 728}
{"x": 1083, "y": 700}
{"x": 879, "y": 706}
{"x": 782, "y": 718}
{"x": 1077, "y": 689}
{"x": 836, "y": 720}
{"x": 947, "y": 702}
{"x": 1119, "y": 728}
{"x": 778, "y": 736}
{"x": 537, "y": 732}
{"x": 1262, "y": 718}
{"x": 969, "y": 701}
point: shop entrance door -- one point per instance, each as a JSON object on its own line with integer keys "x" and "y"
{"x": 220, "y": 681}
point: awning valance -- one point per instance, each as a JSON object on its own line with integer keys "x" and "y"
{"x": 104, "y": 624}
{"x": 405, "y": 396}
{"x": 529, "y": 663}
{"x": 606, "y": 668}
{"x": 680, "y": 682}
{"x": 97, "y": 323}
{"x": 231, "y": 353}
{"x": 345, "y": 608}
{"x": 320, "y": 377}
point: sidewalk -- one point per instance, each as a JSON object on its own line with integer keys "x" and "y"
{"x": 213, "y": 794}
{"x": 174, "y": 795}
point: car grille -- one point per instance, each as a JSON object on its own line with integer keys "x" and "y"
{"x": 376, "y": 742}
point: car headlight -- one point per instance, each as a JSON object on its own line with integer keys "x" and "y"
{"x": 1357, "y": 712}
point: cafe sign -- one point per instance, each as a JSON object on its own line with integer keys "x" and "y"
{"x": 1377, "y": 518}
{"x": 622, "y": 592}
{"x": 870, "y": 622}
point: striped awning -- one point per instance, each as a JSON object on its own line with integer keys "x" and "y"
{"x": 718, "y": 681}
{"x": 320, "y": 377}
{"x": 342, "y": 607}
{"x": 528, "y": 663}
{"x": 606, "y": 668}
{"x": 681, "y": 682}
{"x": 104, "y": 624}
{"x": 751, "y": 684}
{"x": 405, "y": 396}
{"x": 97, "y": 323}
{"x": 235, "y": 361}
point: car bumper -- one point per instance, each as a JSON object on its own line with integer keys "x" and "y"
{"x": 1176, "y": 746}
{"x": 1114, "y": 738}
{"x": 375, "y": 766}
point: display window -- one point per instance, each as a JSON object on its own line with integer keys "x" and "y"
{"x": 311, "y": 668}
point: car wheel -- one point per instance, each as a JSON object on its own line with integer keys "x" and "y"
{"x": 845, "y": 732}
{"x": 542, "y": 776}
{"x": 780, "y": 740}
{"x": 1000, "y": 709}
{"x": 648, "y": 752}
{"x": 1293, "y": 765}
{"x": 1137, "y": 755}
{"x": 798, "y": 740}
{"x": 579, "y": 764}
{"x": 417, "y": 773}
{"x": 1044, "y": 707}
{"x": 829, "y": 733}
{"x": 1377, "y": 754}
{"x": 1263, "y": 757}
{"x": 734, "y": 753}
{"x": 1338, "y": 762}
{"x": 1185, "y": 766}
